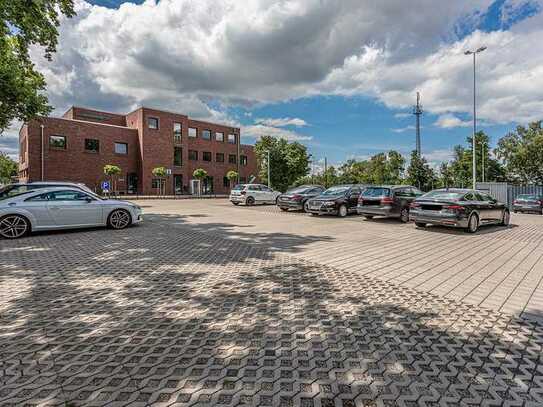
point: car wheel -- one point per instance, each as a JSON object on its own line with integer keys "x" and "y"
{"x": 306, "y": 206}
{"x": 404, "y": 215}
{"x": 473, "y": 223}
{"x": 506, "y": 218}
{"x": 14, "y": 226}
{"x": 342, "y": 211}
{"x": 284, "y": 209}
{"x": 420, "y": 224}
{"x": 250, "y": 201}
{"x": 368, "y": 217}
{"x": 119, "y": 219}
{"x": 235, "y": 203}
{"x": 276, "y": 200}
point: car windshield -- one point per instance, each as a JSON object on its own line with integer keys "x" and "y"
{"x": 335, "y": 191}
{"x": 13, "y": 190}
{"x": 238, "y": 187}
{"x": 369, "y": 192}
{"x": 445, "y": 195}
{"x": 298, "y": 190}
{"x": 528, "y": 197}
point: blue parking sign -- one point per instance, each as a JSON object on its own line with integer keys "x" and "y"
{"x": 105, "y": 186}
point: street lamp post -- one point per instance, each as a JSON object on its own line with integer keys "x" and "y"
{"x": 481, "y": 49}
{"x": 268, "y": 161}
{"x": 483, "y": 161}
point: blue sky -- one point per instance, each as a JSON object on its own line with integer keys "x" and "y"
{"x": 339, "y": 78}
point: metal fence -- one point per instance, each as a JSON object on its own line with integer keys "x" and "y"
{"x": 507, "y": 193}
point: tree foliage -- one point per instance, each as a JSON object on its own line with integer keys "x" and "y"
{"x": 522, "y": 153}
{"x": 419, "y": 173}
{"x": 111, "y": 170}
{"x": 288, "y": 161}
{"x": 8, "y": 168}
{"x": 26, "y": 23}
{"x": 199, "y": 173}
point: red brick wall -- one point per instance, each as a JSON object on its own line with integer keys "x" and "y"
{"x": 147, "y": 149}
{"x": 75, "y": 164}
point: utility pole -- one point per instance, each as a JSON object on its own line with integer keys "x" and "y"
{"x": 269, "y": 179}
{"x": 483, "y": 161}
{"x": 474, "y": 169}
{"x": 417, "y": 111}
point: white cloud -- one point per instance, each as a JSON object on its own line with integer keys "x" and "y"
{"x": 9, "y": 141}
{"x": 256, "y": 131}
{"x": 438, "y": 156}
{"x": 448, "y": 121}
{"x": 402, "y": 115}
{"x": 404, "y": 129}
{"x": 282, "y": 122}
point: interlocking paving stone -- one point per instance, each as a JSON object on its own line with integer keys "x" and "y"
{"x": 160, "y": 315}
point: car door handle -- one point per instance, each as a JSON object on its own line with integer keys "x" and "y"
{"x": 54, "y": 208}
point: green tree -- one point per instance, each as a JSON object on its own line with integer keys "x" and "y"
{"x": 232, "y": 176}
{"x": 200, "y": 174}
{"x": 445, "y": 175}
{"x": 25, "y": 24}
{"x": 160, "y": 173}
{"x": 8, "y": 168}
{"x": 419, "y": 173}
{"x": 288, "y": 161}
{"x": 522, "y": 154}
{"x": 111, "y": 171}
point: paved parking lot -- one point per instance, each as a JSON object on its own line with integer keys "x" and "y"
{"x": 210, "y": 304}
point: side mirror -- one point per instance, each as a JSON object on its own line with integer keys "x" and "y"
{"x": 88, "y": 200}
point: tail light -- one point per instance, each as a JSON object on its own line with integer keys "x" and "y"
{"x": 454, "y": 208}
{"x": 387, "y": 200}
{"x": 243, "y": 192}
{"x": 414, "y": 205}
{"x": 515, "y": 202}
{"x": 296, "y": 197}
{"x": 360, "y": 200}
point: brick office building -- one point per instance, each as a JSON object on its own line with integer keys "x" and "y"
{"x": 77, "y": 146}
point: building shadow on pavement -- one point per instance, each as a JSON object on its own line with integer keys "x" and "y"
{"x": 193, "y": 315}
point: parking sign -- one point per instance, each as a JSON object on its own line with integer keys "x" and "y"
{"x": 105, "y": 186}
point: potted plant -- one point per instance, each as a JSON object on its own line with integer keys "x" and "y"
{"x": 160, "y": 173}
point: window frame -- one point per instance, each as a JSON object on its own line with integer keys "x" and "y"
{"x": 217, "y": 155}
{"x": 120, "y": 143}
{"x": 243, "y": 162}
{"x": 175, "y": 163}
{"x": 204, "y": 153}
{"x": 65, "y": 147}
{"x": 195, "y": 132}
{"x": 221, "y": 140}
{"x": 177, "y": 135}
{"x": 204, "y": 132}
{"x": 234, "y": 141}
{"x": 230, "y": 161}
{"x": 149, "y": 119}
{"x": 191, "y": 154}
{"x": 89, "y": 150}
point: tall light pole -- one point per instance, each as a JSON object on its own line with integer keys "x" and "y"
{"x": 268, "y": 160}
{"x": 483, "y": 161}
{"x": 474, "y": 53}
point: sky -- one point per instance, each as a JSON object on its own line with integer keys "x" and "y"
{"x": 340, "y": 77}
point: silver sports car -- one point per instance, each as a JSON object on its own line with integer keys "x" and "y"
{"x": 62, "y": 208}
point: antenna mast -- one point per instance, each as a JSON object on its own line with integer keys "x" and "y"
{"x": 417, "y": 111}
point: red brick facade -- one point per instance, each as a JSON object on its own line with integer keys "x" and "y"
{"x": 70, "y": 143}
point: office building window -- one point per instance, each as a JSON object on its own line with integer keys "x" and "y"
{"x": 121, "y": 148}
{"x": 206, "y": 134}
{"x": 232, "y": 138}
{"x": 219, "y": 136}
{"x": 193, "y": 155}
{"x": 219, "y": 157}
{"x": 177, "y": 131}
{"x": 57, "y": 142}
{"x": 177, "y": 156}
{"x": 193, "y": 132}
{"x": 152, "y": 123}
{"x": 156, "y": 183}
{"x": 243, "y": 160}
{"x": 206, "y": 156}
{"x": 92, "y": 145}
{"x": 232, "y": 159}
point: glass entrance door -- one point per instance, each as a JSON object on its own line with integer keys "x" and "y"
{"x": 177, "y": 184}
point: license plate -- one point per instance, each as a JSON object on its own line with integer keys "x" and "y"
{"x": 314, "y": 207}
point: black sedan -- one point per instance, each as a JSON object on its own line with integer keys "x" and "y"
{"x": 297, "y": 198}
{"x": 528, "y": 203}
{"x": 339, "y": 200}
{"x": 461, "y": 208}
{"x": 390, "y": 201}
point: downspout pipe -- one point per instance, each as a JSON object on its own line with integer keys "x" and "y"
{"x": 42, "y": 153}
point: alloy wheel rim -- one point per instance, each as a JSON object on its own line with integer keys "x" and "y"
{"x": 343, "y": 211}
{"x": 506, "y": 218}
{"x": 405, "y": 215}
{"x": 13, "y": 227}
{"x": 473, "y": 223}
{"x": 119, "y": 219}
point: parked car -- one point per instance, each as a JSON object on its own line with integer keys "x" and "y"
{"x": 462, "y": 208}
{"x": 297, "y": 198}
{"x": 62, "y": 208}
{"x": 391, "y": 201}
{"x": 528, "y": 203}
{"x": 338, "y": 200}
{"x": 251, "y": 194}
{"x": 15, "y": 189}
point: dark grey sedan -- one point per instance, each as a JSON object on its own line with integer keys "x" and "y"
{"x": 296, "y": 198}
{"x": 528, "y": 203}
{"x": 390, "y": 201}
{"x": 461, "y": 208}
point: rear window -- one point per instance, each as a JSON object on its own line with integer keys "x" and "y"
{"x": 370, "y": 192}
{"x": 13, "y": 190}
{"x": 239, "y": 187}
{"x": 298, "y": 190}
{"x": 447, "y": 195}
{"x": 530, "y": 197}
